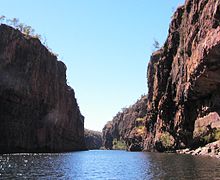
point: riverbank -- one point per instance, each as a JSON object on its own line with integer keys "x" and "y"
{"x": 211, "y": 149}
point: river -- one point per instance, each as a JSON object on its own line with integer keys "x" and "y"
{"x": 112, "y": 165}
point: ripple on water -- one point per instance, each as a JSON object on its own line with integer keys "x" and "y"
{"x": 108, "y": 165}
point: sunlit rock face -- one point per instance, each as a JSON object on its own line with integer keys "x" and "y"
{"x": 38, "y": 110}
{"x": 184, "y": 78}
{"x": 128, "y": 127}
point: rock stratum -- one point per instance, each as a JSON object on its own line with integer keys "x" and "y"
{"x": 38, "y": 110}
{"x": 183, "y": 102}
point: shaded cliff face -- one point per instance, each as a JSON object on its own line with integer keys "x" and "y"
{"x": 38, "y": 110}
{"x": 93, "y": 139}
{"x": 127, "y": 126}
{"x": 184, "y": 79}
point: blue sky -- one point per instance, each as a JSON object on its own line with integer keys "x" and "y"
{"x": 105, "y": 44}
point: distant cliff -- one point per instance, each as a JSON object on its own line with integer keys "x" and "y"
{"x": 93, "y": 139}
{"x": 38, "y": 110}
{"x": 127, "y": 127}
{"x": 183, "y": 104}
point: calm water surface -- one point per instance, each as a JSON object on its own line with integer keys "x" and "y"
{"x": 100, "y": 164}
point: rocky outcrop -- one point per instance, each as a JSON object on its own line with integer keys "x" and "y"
{"x": 127, "y": 126}
{"x": 183, "y": 103}
{"x": 93, "y": 139}
{"x": 38, "y": 110}
{"x": 211, "y": 149}
{"x": 184, "y": 79}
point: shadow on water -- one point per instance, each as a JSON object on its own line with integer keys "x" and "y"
{"x": 108, "y": 165}
{"x": 174, "y": 166}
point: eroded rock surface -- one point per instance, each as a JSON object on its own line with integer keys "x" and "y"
{"x": 183, "y": 103}
{"x": 38, "y": 110}
{"x": 127, "y": 126}
{"x": 211, "y": 149}
{"x": 184, "y": 77}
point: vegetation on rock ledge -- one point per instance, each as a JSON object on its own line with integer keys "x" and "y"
{"x": 119, "y": 144}
{"x": 26, "y": 30}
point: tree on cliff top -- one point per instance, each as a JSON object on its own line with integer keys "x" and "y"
{"x": 14, "y": 22}
{"x": 26, "y": 30}
{"x": 2, "y": 18}
{"x": 156, "y": 44}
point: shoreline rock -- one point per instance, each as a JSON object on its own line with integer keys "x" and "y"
{"x": 211, "y": 149}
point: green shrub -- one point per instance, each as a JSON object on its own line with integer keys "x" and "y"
{"x": 25, "y": 29}
{"x": 141, "y": 127}
{"x": 139, "y": 119}
{"x": 207, "y": 139}
{"x": 199, "y": 131}
{"x": 140, "y": 130}
{"x": 214, "y": 136}
{"x": 119, "y": 144}
{"x": 217, "y": 134}
{"x": 167, "y": 140}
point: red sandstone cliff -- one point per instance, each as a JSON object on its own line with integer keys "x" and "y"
{"x": 183, "y": 78}
{"x": 183, "y": 103}
{"x": 127, "y": 126}
{"x": 38, "y": 110}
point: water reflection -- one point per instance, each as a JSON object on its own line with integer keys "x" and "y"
{"x": 108, "y": 165}
{"x": 172, "y": 166}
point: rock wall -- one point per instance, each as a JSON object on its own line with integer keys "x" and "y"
{"x": 127, "y": 126}
{"x": 93, "y": 139}
{"x": 38, "y": 110}
{"x": 184, "y": 78}
{"x": 182, "y": 109}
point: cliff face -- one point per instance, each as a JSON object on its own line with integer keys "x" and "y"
{"x": 126, "y": 127}
{"x": 183, "y": 104}
{"x": 184, "y": 78}
{"x": 38, "y": 110}
{"x": 93, "y": 139}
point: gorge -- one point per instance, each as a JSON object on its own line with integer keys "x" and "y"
{"x": 39, "y": 111}
{"x": 182, "y": 106}
{"x": 48, "y": 130}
